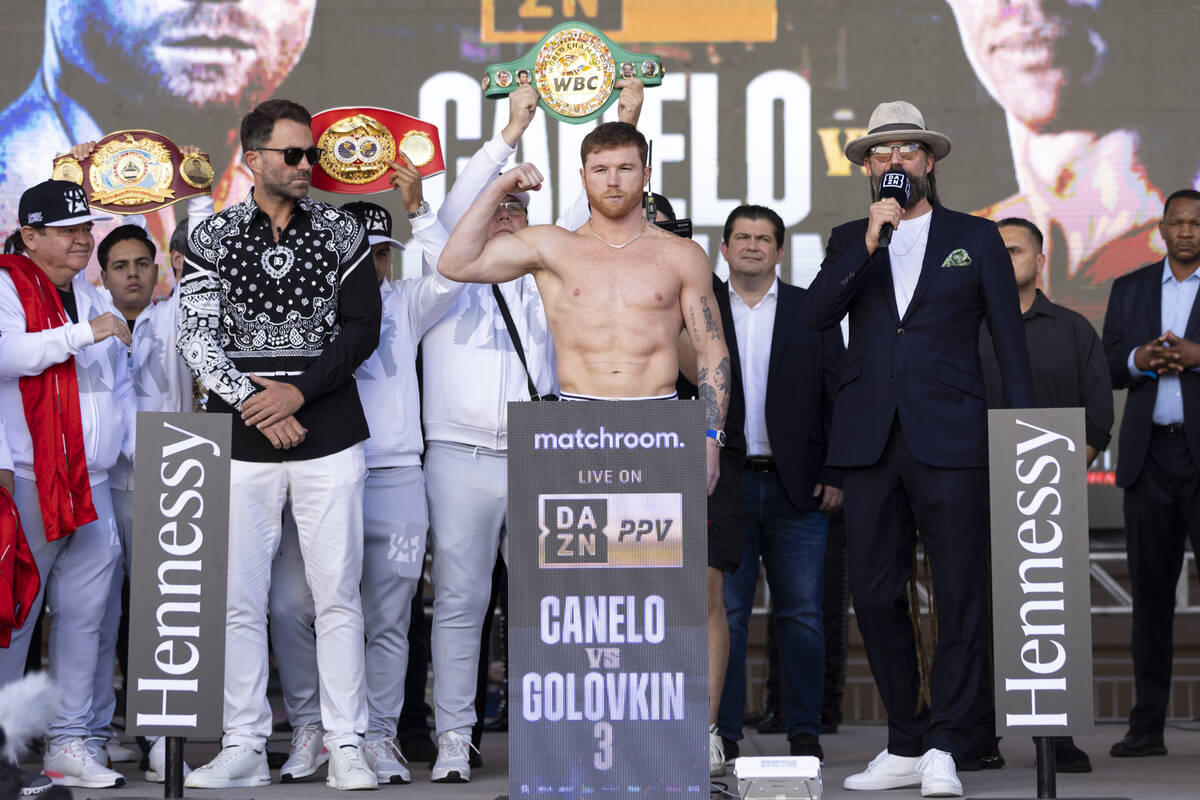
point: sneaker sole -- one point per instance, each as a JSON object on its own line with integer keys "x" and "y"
{"x": 942, "y": 791}
{"x": 293, "y": 776}
{"x": 59, "y": 779}
{"x": 350, "y": 787}
{"x": 392, "y": 778}
{"x": 453, "y": 776}
{"x": 876, "y": 785}
{"x": 234, "y": 783}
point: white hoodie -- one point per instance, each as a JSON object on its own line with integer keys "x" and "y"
{"x": 471, "y": 370}
{"x": 106, "y": 405}
{"x": 387, "y": 380}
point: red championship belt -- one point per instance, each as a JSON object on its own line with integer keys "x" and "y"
{"x": 136, "y": 172}
{"x": 356, "y": 144}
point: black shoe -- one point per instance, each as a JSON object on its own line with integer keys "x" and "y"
{"x": 731, "y": 748}
{"x": 772, "y": 722}
{"x": 1137, "y": 745}
{"x": 805, "y": 744}
{"x": 990, "y": 758}
{"x": 33, "y": 784}
{"x": 1068, "y": 757}
{"x": 419, "y": 748}
{"x": 752, "y": 718}
{"x": 829, "y": 724}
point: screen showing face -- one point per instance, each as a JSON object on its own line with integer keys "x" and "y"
{"x": 1066, "y": 113}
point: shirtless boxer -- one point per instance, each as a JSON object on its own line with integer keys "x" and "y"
{"x": 617, "y": 290}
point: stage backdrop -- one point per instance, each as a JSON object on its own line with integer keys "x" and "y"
{"x": 607, "y": 599}
{"x": 1066, "y": 112}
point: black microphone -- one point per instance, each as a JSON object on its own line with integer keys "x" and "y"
{"x": 893, "y": 184}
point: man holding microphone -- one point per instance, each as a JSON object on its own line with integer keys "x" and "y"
{"x": 910, "y": 433}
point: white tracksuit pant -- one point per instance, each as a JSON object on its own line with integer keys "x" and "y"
{"x": 395, "y": 523}
{"x": 326, "y": 499}
{"x": 77, "y": 573}
{"x": 468, "y": 498}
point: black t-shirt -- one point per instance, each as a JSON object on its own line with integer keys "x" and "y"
{"x": 68, "y": 301}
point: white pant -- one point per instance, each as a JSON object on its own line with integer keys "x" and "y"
{"x": 77, "y": 573}
{"x": 468, "y": 498}
{"x": 326, "y": 499}
{"x": 395, "y": 522}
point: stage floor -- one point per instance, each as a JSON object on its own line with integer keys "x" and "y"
{"x": 1172, "y": 777}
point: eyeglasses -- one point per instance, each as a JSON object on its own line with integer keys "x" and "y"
{"x": 512, "y": 208}
{"x": 292, "y": 155}
{"x": 883, "y": 152}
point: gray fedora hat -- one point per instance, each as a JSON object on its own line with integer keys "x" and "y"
{"x": 895, "y": 121}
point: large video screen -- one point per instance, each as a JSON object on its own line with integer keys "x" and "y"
{"x": 1078, "y": 114}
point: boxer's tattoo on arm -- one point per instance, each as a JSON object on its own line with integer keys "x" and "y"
{"x": 714, "y": 392}
{"x": 710, "y": 324}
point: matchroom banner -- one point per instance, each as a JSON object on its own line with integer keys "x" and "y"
{"x": 175, "y": 685}
{"x": 1041, "y": 602}
{"x": 608, "y": 647}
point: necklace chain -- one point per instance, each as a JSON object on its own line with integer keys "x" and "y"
{"x": 641, "y": 233}
{"x": 917, "y": 239}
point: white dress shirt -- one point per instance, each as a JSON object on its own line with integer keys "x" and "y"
{"x": 755, "y": 325}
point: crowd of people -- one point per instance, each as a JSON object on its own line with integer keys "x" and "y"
{"x": 347, "y": 470}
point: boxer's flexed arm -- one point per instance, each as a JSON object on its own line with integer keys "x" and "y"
{"x": 471, "y": 257}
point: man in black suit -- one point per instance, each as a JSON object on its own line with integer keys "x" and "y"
{"x": 1151, "y": 335}
{"x": 789, "y": 375}
{"x": 910, "y": 433}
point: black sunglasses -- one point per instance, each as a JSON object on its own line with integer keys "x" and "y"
{"x": 292, "y": 155}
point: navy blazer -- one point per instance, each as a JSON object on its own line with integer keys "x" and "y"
{"x": 802, "y": 374}
{"x": 1134, "y": 317}
{"x": 925, "y": 366}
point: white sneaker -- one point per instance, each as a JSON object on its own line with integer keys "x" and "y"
{"x": 938, "y": 777}
{"x": 74, "y": 765}
{"x": 384, "y": 757}
{"x": 886, "y": 771}
{"x": 348, "y": 770}
{"x": 119, "y": 753}
{"x": 453, "y": 763}
{"x": 158, "y": 762}
{"x": 97, "y": 747}
{"x": 308, "y": 753}
{"x": 236, "y": 765}
{"x": 716, "y": 753}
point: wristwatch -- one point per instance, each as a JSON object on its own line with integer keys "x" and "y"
{"x": 421, "y": 211}
{"x": 718, "y": 436}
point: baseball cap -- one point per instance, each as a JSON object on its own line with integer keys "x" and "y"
{"x": 56, "y": 204}
{"x": 377, "y": 220}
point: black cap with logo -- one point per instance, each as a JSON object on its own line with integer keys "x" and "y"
{"x": 377, "y": 221}
{"x": 56, "y": 204}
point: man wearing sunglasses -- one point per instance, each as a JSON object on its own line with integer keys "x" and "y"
{"x": 279, "y": 304}
{"x": 910, "y": 435}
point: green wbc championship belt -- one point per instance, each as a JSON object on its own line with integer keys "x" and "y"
{"x": 573, "y": 68}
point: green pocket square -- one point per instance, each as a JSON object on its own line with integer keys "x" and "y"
{"x": 958, "y": 258}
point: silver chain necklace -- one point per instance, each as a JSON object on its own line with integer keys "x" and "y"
{"x": 641, "y": 233}
{"x": 917, "y": 239}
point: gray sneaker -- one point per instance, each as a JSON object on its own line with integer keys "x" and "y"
{"x": 453, "y": 761}
{"x": 384, "y": 757}
{"x": 308, "y": 753}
